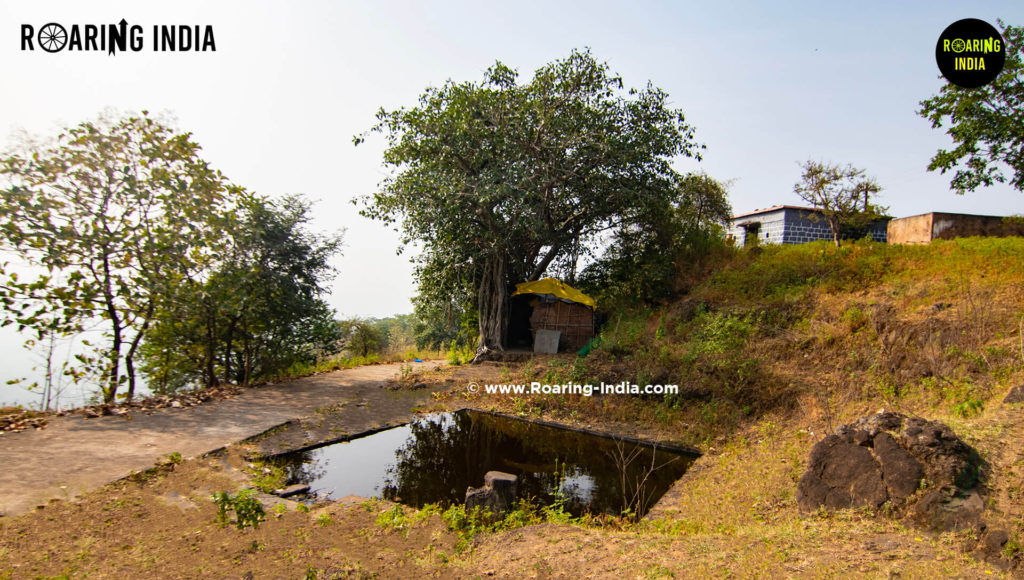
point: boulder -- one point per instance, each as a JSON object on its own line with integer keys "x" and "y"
{"x": 910, "y": 463}
{"x": 498, "y": 494}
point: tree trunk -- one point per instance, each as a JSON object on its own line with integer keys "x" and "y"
{"x": 229, "y": 340}
{"x": 114, "y": 366}
{"x": 211, "y": 352}
{"x": 129, "y": 359}
{"x": 492, "y": 307}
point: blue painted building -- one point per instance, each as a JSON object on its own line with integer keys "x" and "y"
{"x": 788, "y": 224}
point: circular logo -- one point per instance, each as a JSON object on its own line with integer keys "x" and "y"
{"x": 970, "y": 53}
{"x": 53, "y": 37}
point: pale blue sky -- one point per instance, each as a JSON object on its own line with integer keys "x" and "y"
{"x": 765, "y": 84}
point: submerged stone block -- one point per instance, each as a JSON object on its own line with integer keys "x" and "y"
{"x": 497, "y": 495}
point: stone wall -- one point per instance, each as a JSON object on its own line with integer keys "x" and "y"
{"x": 921, "y": 229}
{"x": 804, "y": 226}
{"x": 772, "y": 225}
{"x": 792, "y": 226}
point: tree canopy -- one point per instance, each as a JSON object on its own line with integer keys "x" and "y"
{"x": 498, "y": 179}
{"x": 986, "y": 124}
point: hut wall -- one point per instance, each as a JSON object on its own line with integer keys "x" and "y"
{"x": 574, "y": 321}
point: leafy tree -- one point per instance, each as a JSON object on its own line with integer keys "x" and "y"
{"x": 397, "y": 332}
{"x": 986, "y": 124}
{"x": 644, "y": 259}
{"x": 444, "y": 322}
{"x": 103, "y": 221}
{"x": 362, "y": 337}
{"x": 259, "y": 311}
{"x": 842, "y": 194}
{"x": 498, "y": 179}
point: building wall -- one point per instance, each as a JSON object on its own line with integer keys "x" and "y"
{"x": 772, "y": 227}
{"x": 793, "y": 226}
{"x": 946, "y": 226}
{"x": 804, "y": 226}
{"x": 921, "y": 229}
{"x": 911, "y": 230}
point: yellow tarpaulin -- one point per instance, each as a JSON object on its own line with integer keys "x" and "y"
{"x": 556, "y": 288}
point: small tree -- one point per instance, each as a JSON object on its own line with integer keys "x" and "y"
{"x": 361, "y": 337}
{"x": 106, "y": 219}
{"x": 842, "y": 194}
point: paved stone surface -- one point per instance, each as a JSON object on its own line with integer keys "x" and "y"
{"x": 74, "y": 455}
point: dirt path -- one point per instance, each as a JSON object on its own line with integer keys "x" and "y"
{"x": 73, "y": 454}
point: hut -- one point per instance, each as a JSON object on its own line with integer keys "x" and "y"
{"x": 549, "y": 304}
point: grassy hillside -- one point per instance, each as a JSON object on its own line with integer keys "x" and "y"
{"x": 813, "y": 332}
{"x": 776, "y": 347}
{"x": 773, "y": 348}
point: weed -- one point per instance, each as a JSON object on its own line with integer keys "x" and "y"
{"x": 460, "y": 355}
{"x": 1011, "y": 548}
{"x": 267, "y": 476}
{"x": 968, "y": 408}
{"x": 247, "y": 507}
{"x": 393, "y": 519}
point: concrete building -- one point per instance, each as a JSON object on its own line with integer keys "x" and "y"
{"x": 922, "y": 229}
{"x": 788, "y": 224}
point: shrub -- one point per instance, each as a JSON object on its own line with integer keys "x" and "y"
{"x": 247, "y": 507}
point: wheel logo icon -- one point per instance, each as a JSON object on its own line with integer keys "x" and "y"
{"x": 958, "y": 45}
{"x": 53, "y": 37}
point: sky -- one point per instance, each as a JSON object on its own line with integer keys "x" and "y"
{"x": 275, "y": 107}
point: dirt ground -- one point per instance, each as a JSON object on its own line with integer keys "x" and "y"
{"x": 732, "y": 515}
{"x": 73, "y": 454}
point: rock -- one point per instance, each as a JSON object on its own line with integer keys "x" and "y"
{"x": 841, "y": 474}
{"x": 352, "y": 499}
{"x": 889, "y": 457}
{"x": 291, "y": 490}
{"x": 1016, "y": 395}
{"x": 994, "y": 541}
{"x": 901, "y": 473}
{"x": 497, "y": 495}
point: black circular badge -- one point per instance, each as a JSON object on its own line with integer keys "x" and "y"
{"x": 970, "y": 53}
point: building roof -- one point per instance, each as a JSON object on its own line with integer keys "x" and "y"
{"x": 773, "y": 208}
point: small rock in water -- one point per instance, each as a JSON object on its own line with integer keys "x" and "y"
{"x": 291, "y": 490}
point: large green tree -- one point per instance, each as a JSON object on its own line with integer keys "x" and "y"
{"x": 103, "y": 221}
{"x": 498, "y": 179}
{"x": 986, "y": 124}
